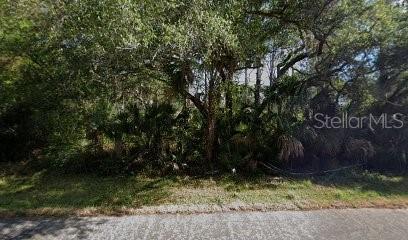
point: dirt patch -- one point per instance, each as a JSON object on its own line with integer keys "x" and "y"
{"x": 192, "y": 209}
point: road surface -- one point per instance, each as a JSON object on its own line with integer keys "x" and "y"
{"x": 323, "y": 224}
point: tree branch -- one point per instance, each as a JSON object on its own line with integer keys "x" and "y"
{"x": 197, "y": 102}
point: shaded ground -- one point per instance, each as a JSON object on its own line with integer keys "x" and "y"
{"x": 323, "y": 224}
{"x": 50, "y": 194}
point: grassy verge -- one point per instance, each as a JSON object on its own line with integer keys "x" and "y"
{"x": 49, "y": 194}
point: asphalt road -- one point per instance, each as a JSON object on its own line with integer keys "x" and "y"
{"x": 322, "y": 224}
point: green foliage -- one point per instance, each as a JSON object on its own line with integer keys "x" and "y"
{"x": 118, "y": 86}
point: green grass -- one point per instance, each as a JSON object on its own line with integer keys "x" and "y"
{"x": 45, "y": 193}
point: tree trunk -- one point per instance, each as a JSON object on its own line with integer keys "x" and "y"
{"x": 246, "y": 77}
{"x": 96, "y": 138}
{"x": 258, "y": 84}
{"x": 205, "y": 87}
{"x": 228, "y": 98}
{"x": 211, "y": 138}
{"x": 211, "y": 130}
{"x": 118, "y": 149}
{"x": 246, "y": 85}
{"x": 272, "y": 67}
